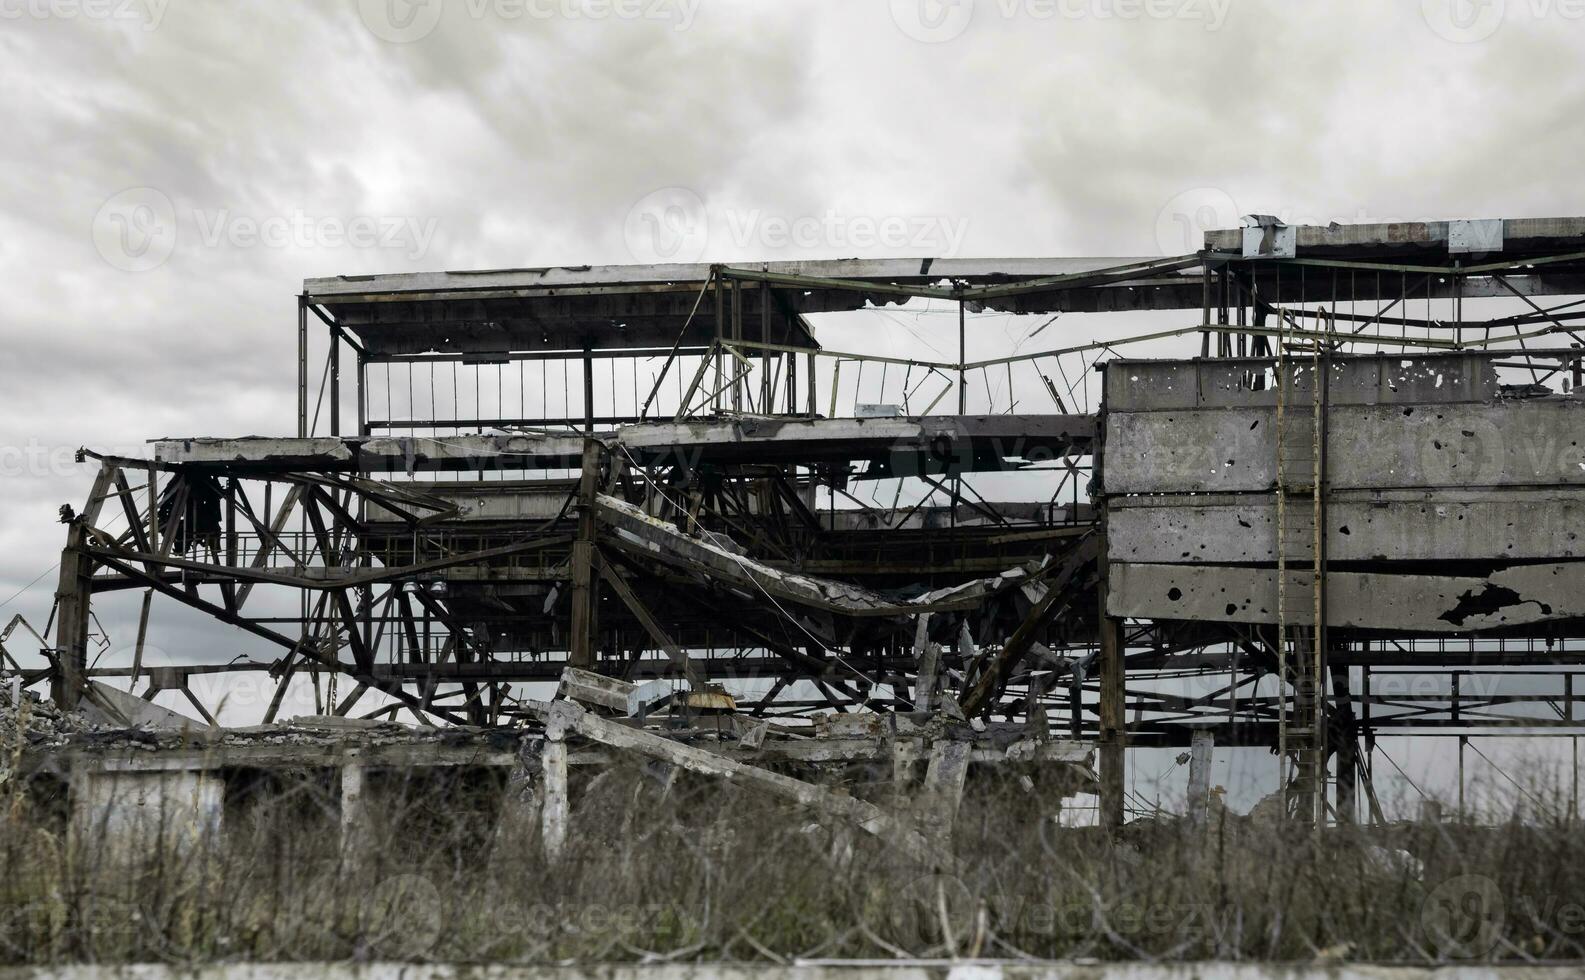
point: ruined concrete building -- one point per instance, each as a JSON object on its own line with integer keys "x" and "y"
{"x": 636, "y": 507}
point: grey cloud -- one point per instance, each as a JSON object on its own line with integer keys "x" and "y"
{"x": 526, "y": 141}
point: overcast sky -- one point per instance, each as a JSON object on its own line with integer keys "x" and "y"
{"x": 174, "y": 169}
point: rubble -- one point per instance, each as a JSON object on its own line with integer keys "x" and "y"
{"x": 31, "y": 721}
{"x": 1284, "y": 494}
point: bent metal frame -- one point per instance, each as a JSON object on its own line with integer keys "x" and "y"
{"x": 658, "y": 472}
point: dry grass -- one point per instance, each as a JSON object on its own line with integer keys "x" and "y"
{"x": 701, "y": 870}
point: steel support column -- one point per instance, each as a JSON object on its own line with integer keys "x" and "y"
{"x": 581, "y": 631}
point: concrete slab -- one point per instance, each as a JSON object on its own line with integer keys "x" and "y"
{"x": 970, "y": 442}
{"x": 1536, "y": 442}
{"x": 1516, "y": 596}
{"x": 1389, "y": 525}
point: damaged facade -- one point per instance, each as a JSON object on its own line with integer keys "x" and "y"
{"x": 577, "y": 510}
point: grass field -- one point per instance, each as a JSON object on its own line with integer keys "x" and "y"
{"x": 700, "y": 870}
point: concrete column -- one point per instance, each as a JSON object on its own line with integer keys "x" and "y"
{"x": 1113, "y": 705}
{"x": 521, "y": 800}
{"x": 354, "y": 814}
{"x": 1200, "y": 747}
{"x": 927, "y": 658}
{"x": 943, "y": 789}
{"x": 556, "y": 810}
{"x": 1112, "y": 712}
{"x": 1036, "y": 724}
{"x": 906, "y": 754}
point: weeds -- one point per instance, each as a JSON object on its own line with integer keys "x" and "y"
{"x": 696, "y": 869}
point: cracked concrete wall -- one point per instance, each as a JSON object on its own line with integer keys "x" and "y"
{"x": 1506, "y": 443}
{"x": 1368, "y": 600}
{"x": 1426, "y": 460}
{"x": 1157, "y": 386}
{"x": 1402, "y": 525}
{"x": 126, "y": 811}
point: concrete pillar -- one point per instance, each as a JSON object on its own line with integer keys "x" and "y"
{"x": 556, "y": 810}
{"x": 943, "y": 789}
{"x": 1112, "y": 711}
{"x": 1113, "y": 707}
{"x": 521, "y": 799}
{"x": 1200, "y": 747}
{"x": 354, "y": 813}
{"x": 927, "y": 658}
{"x": 1036, "y": 724}
{"x": 906, "y": 753}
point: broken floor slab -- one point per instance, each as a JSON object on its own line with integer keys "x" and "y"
{"x": 974, "y": 442}
{"x": 642, "y": 534}
{"x": 564, "y": 716}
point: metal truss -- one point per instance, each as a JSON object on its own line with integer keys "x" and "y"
{"x": 392, "y": 556}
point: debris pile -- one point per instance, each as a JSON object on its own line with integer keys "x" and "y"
{"x": 35, "y": 721}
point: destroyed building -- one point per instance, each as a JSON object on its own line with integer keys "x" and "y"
{"x": 630, "y": 508}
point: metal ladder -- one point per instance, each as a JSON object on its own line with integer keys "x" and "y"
{"x": 1301, "y": 736}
